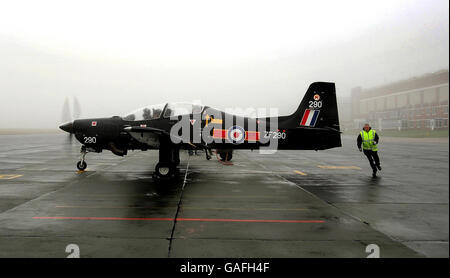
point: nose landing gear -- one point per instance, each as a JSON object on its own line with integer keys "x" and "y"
{"x": 82, "y": 165}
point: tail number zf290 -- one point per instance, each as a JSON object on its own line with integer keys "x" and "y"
{"x": 275, "y": 134}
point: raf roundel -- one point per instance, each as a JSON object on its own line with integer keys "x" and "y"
{"x": 316, "y": 97}
{"x": 236, "y": 134}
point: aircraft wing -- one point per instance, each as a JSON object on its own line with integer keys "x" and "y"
{"x": 141, "y": 129}
{"x": 150, "y": 135}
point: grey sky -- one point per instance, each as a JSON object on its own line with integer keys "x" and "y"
{"x": 118, "y": 57}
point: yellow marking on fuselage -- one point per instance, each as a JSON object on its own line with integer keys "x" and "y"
{"x": 216, "y": 121}
{"x": 211, "y": 120}
{"x": 300, "y": 173}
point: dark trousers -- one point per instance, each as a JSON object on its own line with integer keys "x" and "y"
{"x": 373, "y": 158}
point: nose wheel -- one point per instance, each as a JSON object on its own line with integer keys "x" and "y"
{"x": 82, "y": 165}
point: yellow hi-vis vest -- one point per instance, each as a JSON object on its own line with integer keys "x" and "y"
{"x": 368, "y": 140}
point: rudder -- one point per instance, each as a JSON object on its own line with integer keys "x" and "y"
{"x": 318, "y": 108}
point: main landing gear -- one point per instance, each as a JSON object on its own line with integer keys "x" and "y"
{"x": 82, "y": 165}
{"x": 165, "y": 170}
{"x": 169, "y": 159}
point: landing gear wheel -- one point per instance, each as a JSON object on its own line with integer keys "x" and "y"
{"x": 226, "y": 156}
{"x": 81, "y": 165}
{"x": 164, "y": 170}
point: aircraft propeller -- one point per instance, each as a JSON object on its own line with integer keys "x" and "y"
{"x": 68, "y": 117}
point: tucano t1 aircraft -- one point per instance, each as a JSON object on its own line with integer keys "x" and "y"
{"x": 174, "y": 126}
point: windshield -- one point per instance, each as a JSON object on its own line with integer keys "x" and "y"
{"x": 146, "y": 113}
{"x": 182, "y": 108}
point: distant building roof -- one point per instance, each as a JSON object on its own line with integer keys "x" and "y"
{"x": 426, "y": 80}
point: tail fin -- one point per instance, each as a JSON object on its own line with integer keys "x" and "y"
{"x": 318, "y": 108}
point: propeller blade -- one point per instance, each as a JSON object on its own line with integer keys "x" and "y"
{"x": 66, "y": 115}
{"x": 76, "y": 109}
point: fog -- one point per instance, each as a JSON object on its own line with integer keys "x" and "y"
{"x": 116, "y": 56}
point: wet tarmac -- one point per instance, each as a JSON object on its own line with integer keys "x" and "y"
{"x": 288, "y": 204}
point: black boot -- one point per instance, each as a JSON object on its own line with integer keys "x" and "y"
{"x": 379, "y": 167}
{"x": 374, "y": 174}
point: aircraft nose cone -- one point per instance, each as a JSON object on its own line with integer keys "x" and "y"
{"x": 68, "y": 127}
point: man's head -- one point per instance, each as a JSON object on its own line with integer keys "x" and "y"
{"x": 366, "y": 127}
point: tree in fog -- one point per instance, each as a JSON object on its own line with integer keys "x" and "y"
{"x": 147, "y": 114}
{"x": 156, "y": 112}
{"x": 130, "y": 117}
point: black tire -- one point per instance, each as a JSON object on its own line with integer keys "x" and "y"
{"x": 226, "y": 156}
{"x": 81, "y": 165}
{"x": 164, "y": 170}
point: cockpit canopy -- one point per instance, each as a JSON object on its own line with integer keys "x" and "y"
{"x": 168, "y": 110}
{"x": 145, "y": 113}
{"x": 181, "y": 108}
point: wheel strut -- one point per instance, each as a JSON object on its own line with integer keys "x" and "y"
{"x": 82, "y": 165}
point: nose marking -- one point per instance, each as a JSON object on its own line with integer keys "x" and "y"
{"x": 67, "y": 127}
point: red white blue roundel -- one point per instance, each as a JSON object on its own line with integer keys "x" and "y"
{"x": 236, "y": 134}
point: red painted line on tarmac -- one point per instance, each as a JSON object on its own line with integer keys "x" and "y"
{"x": 178, "y": 219}
{"x": 250, "y": 220}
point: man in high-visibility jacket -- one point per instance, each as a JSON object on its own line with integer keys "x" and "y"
{"x": 368, "y": 139}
